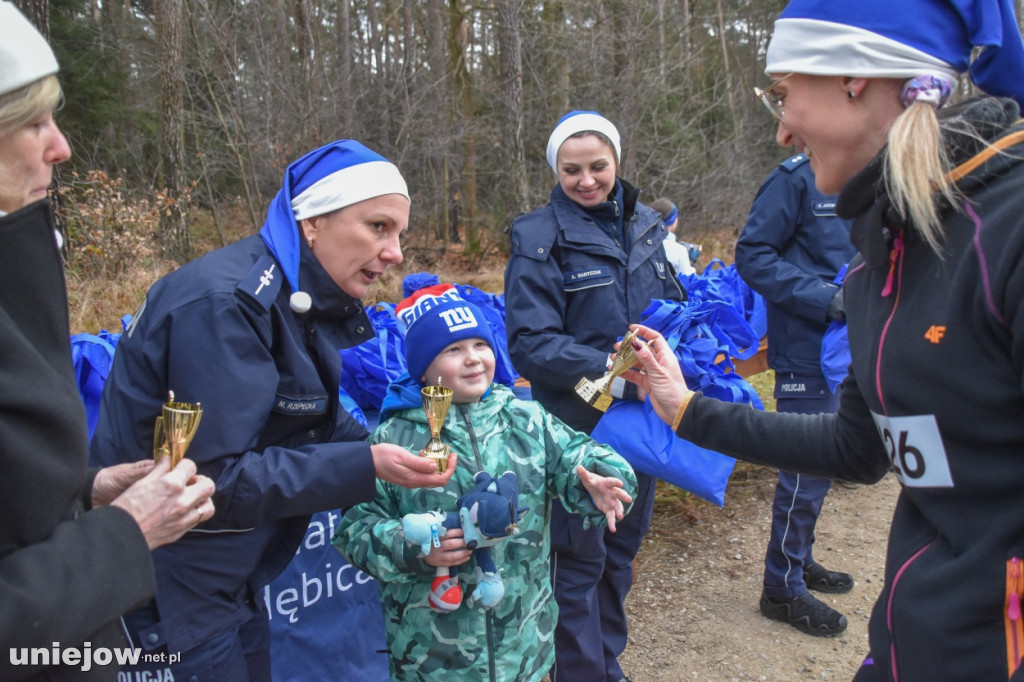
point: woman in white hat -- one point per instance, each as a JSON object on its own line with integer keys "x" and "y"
{"x": 935, "y": 312}
{"x": 582, "y": 268}
{"x": 75, "y": 542}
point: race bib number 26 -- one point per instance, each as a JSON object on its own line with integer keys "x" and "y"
{"x": 915, "y": 450}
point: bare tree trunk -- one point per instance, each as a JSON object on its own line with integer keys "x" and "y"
{"x": 511, "y": 89}
{"x": 440, "y": 152}
{"x": 661, "y": 38}
{"x": 38, "y": 13}
{"x": 343, "y": 99}
{"x": 462, "y": 84}
{"x": 177, "y": 241}
{"x": 686, "y": 26}
{"x": 556, "y": 68}
{"x": 115, "y": 19}
{"x": 309, "y": 109}
{"x": 626, "y": 117}
{"x": 726, "y": 70}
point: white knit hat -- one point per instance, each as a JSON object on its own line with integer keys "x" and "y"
{"x": 579, "y": 122}
{"x": 25, "y": 57}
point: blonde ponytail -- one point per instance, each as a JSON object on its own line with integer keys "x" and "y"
{"x": 915, "y": 165}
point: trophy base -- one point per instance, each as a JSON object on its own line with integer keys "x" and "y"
{"x": 594, "y": 396}
{"x": 440, "y": 458}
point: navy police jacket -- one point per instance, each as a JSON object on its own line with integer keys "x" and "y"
{"x": 273, "y": 437}
{"x": 790, "y": 251}
{"x": 571, "y": 291}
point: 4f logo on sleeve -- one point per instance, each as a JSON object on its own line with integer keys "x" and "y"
{"x": 935, "y": 333}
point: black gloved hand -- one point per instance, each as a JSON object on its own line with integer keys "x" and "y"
{"x": 835, "y": 306}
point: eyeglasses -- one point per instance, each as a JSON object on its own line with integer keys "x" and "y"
{"x": 771, "y": 101}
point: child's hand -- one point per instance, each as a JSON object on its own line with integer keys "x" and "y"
{"x": 452, "y": 552}
{"x": 607, "y": 494}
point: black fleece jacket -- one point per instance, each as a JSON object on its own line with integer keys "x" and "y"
{"x": 66, "y": 574}
{"x": 935, "y": 394}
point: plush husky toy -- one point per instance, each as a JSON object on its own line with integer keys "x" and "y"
{"x": 487, "y": 515}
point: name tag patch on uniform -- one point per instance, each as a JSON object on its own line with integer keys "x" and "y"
{"x": 916, "y": 452}
{"x": 822, "y": 207}
{"x": 290, "y": 405}
{"x": 585, "y": 278}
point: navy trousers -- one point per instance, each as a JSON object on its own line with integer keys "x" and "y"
{"x": 238, "y": 655}
{"x": 592, "y": 571}
{"x": 798, "y": 498}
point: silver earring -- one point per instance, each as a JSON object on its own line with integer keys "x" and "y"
{"x": 849, "y": 93}
{"x": 309, "y": 242}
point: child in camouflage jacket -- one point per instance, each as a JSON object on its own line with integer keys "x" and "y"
{"x": 490, "y": 430}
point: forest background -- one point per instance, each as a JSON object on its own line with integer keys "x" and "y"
{"x": 182, "y": 117}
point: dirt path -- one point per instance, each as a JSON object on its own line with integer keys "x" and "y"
{"x": 693, "y": 609}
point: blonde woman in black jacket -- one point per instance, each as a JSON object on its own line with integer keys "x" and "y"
{"x": 935, "y": 309}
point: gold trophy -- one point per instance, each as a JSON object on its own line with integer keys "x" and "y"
{"x": 175, "y": 428}
{"x": 597, "y": 393}
{"x": 436, "y": 401}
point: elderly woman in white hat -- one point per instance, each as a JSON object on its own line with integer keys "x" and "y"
{"x": 934, "y": 308}
{"x": 74, "y": 543}
{"x": 582, "y": 268}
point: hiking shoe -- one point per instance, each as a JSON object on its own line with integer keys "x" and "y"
{"x": 806, "y": 614}
{"x": 819, "y": 578}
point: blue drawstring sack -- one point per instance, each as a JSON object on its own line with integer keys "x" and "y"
{"x": 723, "y": 283}
{"x": 367, "y": 369}
{"x": 835, "y": 354}
{"x": 493, "y": 307}
{"x": 699, "y": 333}
{"x": 694, "y": 330}
{"x": 635, "y": 431}
{"x": 835, "y": 347}
{"x": 91, "y": 356}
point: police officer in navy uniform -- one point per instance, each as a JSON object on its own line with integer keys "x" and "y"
{"x": 252, "y": 332}
{"x": 582, "y": 268}
{"x": 791, "y": 249}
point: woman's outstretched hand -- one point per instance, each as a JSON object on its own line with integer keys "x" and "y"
{"x": 660, "y": 377}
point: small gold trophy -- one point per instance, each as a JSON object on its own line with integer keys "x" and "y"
{"x": 175, "y": 428}
{"x": 436, "y": 401}
{"x": 597, "y": 393}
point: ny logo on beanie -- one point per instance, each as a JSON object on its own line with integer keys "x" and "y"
{"x": 458, "y": 318}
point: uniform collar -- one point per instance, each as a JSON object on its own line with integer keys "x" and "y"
{"x": 329, "y": 300}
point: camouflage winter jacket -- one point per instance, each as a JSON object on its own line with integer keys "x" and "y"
{"x": 512, "y": 641}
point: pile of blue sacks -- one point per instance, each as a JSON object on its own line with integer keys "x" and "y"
{"x": 723, "y": 320}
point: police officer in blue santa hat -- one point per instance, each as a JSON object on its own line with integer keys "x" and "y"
{"x": 252, "y": 332}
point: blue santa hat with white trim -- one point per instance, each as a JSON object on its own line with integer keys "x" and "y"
{"x": 905, "y": 39}
{"x": 436, "y": 317}
{"x": 334, "y": 176}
